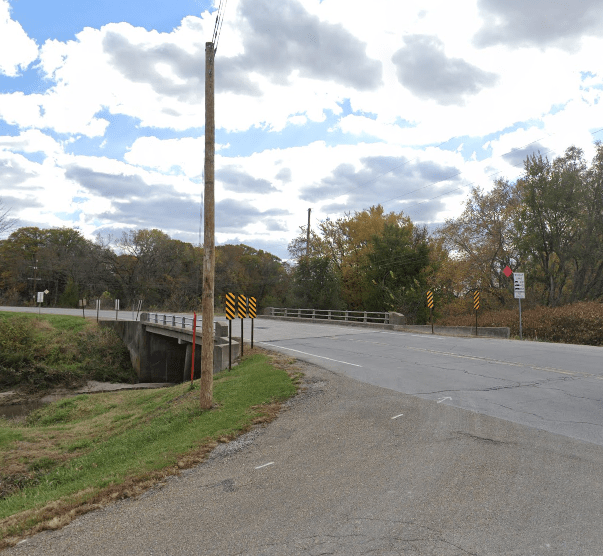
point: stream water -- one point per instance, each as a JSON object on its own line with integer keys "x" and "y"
{"x": 19, "y": 410}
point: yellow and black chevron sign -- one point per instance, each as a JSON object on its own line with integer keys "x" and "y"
{"x": 252, "y": 308}
{"x": 430, "y": 300}
{"x": 476, "y": 300}
{"x": 242, "y": 306}
{"x": 230, "y": 306}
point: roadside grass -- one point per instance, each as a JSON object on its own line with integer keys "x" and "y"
{"x": 80, "y": 453}
{"x": 38, "y": 352}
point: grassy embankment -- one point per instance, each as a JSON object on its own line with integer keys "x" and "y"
{"x": 40, "y": 352}
{"x": 82, "y": 452}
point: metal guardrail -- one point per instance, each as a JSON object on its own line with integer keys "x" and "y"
{"x": 330, "y": 314}
{"x": 172, "y": 320}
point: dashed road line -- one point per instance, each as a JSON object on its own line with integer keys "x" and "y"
{"x": 265, "y": 465}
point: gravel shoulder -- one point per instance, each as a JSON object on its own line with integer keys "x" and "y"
{"x": 351, "y": 469}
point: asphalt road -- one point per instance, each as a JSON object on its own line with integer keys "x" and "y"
{"x": 353, "y": 469}
{"x": 438, "y": 446}
{"x": 554, "y": 387}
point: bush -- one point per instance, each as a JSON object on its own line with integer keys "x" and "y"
{"x": 39, "y": 354}
{"x": 578, "y": 323}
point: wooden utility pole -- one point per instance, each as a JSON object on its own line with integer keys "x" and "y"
{"x": 308, "y": 235}
{"x": 209, "y": 257}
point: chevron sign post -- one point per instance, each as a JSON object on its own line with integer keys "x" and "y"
{"x": 430, "y": 305}
{"x": 476, "y": 307}
{"x": 230, "y": 314}
{"x": 252, "y": 307}
{"x": 242, "y": 311}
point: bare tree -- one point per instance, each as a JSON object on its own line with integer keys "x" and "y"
{"x": 6, "y": 222}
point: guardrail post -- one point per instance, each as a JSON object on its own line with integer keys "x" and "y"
{"x": 346, "y": 315}
{"x": 183, "y": 322}
{"x": 364, "y": 316}
{"x": 156, "y": 317}
{"x": 299, "y": 313}
{"x": 285, "y": 312}
{"x": 329, "y": 314}
{"x": 173, "y": 320}
{"x": 313, "y": 314}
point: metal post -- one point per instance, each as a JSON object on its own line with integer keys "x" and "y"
{"x": 97, "y": 308}
{"x": 431, "y": 318}
{"x": 229, "y": 344}
{"x": 252, "y": 333}
{"x": 520, "y": 330}
{"x": 194, "y": 341}
{"x": 308, "y": 235}
{"x": 242, "y": 337}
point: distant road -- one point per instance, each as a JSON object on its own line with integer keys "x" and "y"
{"x": 89, "y": 312}
{"x": 553, "y": 387}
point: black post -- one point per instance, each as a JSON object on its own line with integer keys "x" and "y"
{"x": 229, "y": 344}
{"x": 241, "y": 336}
{"x": 476, "y": 321}
{"x": 252, "y": 333}
{"x": 431, "y": 318}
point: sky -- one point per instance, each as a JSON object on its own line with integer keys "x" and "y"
{"x": 324, "y": 104}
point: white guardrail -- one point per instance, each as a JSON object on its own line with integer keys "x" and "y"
{"x": 329, "y": 314}
{"x": 171, "y": 320}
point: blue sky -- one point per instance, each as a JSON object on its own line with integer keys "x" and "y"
{"x": 324, "y": 104}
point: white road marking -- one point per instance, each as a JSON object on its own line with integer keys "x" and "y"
{"x": 398, "y": 416}
{"x": 510, "y": 363}
{"x": 444, "y": 399}
{"x": 265, "y": 465}
{"x": 313, "y": 355}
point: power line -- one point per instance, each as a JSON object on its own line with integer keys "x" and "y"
{"x": 218, "y": 25}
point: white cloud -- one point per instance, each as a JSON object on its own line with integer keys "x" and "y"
{"x": 17, "y": 50}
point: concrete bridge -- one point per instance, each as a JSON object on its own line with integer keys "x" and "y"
{"x": 161, "y": 346}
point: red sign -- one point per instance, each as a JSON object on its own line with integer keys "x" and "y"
{"x": 507, "y": 271}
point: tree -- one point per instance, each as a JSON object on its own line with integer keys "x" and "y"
{"x": 6, "y": 222}
{"x": 395, "y": 271}
{"x": 483, "y": 240}
{"x": 549, "y": 220}
{"x": 316, "y": 284}
{"x": 346, "y": 242}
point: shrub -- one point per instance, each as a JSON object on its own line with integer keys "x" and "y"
{"x": 578, "y": 323}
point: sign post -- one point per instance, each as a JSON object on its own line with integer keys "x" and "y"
{"x": 430, "y": 305}
{"x": 230, "y": 314}
{"x": 193, "y": 350}
{"x": 252, "y": 313}
{"x": 116, "y": 308}
{"x": 476, "y": 307}
{"x": 519, "y": 288}
{"x": 40, "y": 300}
{"x": 242, "y": 310}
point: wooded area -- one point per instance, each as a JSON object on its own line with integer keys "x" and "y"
{"x": 548, "y": 224}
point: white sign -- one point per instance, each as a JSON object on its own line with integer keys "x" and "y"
{"x": 40, "y": 297}
{"x": 519, "y": 285}
{"x": 46, "y": 292}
